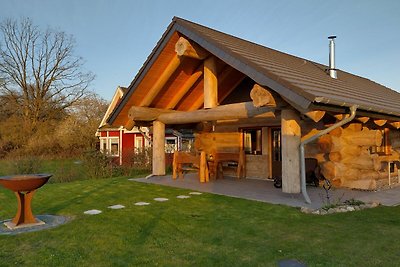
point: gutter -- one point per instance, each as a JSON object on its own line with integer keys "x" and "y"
{"x": 353, "y": 110}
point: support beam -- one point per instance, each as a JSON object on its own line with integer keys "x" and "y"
{"x": 262, "y": 97}
{"x": 362, "y": 119}
{"x": 184, "y": 47}
{"x": 210, "y": 83}
{"x": 341, "y": 116}
{"x": 161, "y": 81}
{"x": 315, "y": 115}
{"x": 395, "y": 124}
{"x": 185, "y": 88}
{"x": 291, "y": 137}
{"x": 380, "y": 122}
{"x": 158, "y": 148}
{"x": 129, "y": 124}
{"x": 147, "y": 114}
{"x": 225, "y": 112}
{"x": 227, "y": 73}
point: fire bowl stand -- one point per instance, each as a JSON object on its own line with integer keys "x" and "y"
{"x": 24, "y": 216}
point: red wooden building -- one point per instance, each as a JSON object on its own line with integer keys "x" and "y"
{"x": 122, "y": 143}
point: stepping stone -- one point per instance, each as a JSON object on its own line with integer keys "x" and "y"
{"x": 116, "y": 207}
{"x": 183, "y": 196}
{"x": 195, "y": 193}
{"x": 161, "y": 199}
{"x": 92, "y": 212}
{"x": 141, "y": 203}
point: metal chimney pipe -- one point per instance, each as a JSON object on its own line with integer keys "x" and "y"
{"x": 332, "y": 69}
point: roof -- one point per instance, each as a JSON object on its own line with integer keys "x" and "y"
{"x": 301, "y": 82}
{"x": 119, "y": 92}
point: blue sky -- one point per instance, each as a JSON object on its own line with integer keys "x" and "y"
{"x": 115, "y": 37}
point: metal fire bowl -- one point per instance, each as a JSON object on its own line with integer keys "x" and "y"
{"x": 24, "y": 182}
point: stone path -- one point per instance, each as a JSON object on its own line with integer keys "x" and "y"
{"x": 141, "y": 203}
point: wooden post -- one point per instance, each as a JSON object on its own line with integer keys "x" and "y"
{"x": 203, "y": 167}
{"x": 158, "y": 148}
{"x": 291, "y": 137}
{"x": 210, "y": 83}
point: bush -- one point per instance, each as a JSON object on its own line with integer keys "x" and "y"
{"x": 25, "y": 165}
{"x": 141, "y": 158}
{"x": 98, "y": 165}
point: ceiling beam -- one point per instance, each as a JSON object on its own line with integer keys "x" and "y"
{"x": 161, "y": 81}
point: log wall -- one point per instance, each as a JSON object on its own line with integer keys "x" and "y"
{"x": 345, "y": 158}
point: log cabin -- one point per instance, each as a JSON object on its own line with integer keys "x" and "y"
{"x": 237, "y": 96}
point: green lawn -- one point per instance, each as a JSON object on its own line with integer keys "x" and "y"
{"x": 205, "y": 230}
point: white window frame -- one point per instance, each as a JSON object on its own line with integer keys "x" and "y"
{"x": 109, "y": 141}
{"x": 170, "y": 148}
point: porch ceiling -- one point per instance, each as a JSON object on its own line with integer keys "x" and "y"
{"x": 175, "y": 93}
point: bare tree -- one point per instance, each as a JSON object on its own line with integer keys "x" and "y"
{"x": 42, "y": 76}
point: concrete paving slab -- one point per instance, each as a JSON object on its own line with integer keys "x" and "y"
{"x": 264, "y": 190}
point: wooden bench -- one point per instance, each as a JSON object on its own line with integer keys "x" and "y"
{"x": 186, "y": 161}
{"x": 221, "y": 157}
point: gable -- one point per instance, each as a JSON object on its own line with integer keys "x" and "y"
{"x": 302, "y": 83}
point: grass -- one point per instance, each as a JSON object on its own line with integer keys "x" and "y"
{"x": 205, "y": 230}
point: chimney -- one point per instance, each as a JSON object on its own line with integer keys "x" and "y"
{"x": 332, "y": 69}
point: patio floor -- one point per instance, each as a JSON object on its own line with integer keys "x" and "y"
{"x": 264, "y": 190}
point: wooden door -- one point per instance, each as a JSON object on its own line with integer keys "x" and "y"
{"x": 276, "y": 152}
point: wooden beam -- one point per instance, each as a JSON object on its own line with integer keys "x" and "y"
{"x": 262, "y": 97}
{"x": 185, "y": 88}
{"x": 315, "y": 115}
{"x": 158, "y": 148}
{"x": 225, "y": 112}
{"x": 146, "y": 114}
{"x": 129, "y": 124}
{"x": 210, "y": 83}
{"x": 380, "y": 122}
{"x": 225, "y": 74}
{"x": 362, "y": 119}
{"x": 341, "y": 116}
{"x": 395, "y": 124}
{"x": 161, "y": 81}
{"x": 184, "y": 47}
{"x": 291, "y": 137}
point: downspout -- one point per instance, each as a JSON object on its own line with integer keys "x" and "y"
{"x": 353, "y": 110}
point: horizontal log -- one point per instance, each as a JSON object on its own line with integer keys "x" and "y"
{"x": 395, "y": 124}
{"x": 262, "y": 97}
{"x": 380, "y": 122}
{"x": 356, "y": 127}
{"x": 146, "y": 114}
{"x": 336, "y": 132}
{"x": 184, "y": 47}
{"x": 315, "y": 115}
{"x": 362, "y": 119}
{"x": 365, "y": 137}
{"x": 365, "y": 184}
{"x": 224, "y": 112}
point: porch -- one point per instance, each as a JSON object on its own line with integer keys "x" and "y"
{"x": 264, "y": 191}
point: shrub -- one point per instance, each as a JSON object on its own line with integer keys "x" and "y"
{"x": 97, "y": 165}
{"x": 25, "y": 165}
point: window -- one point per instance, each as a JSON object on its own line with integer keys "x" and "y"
{"x": 171, "y": 144}
{"x": 252, "y": 143}
{"x": 384, "y": 149}
{"x": 110, "y": 146}
{"x": 138, "y": 144}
